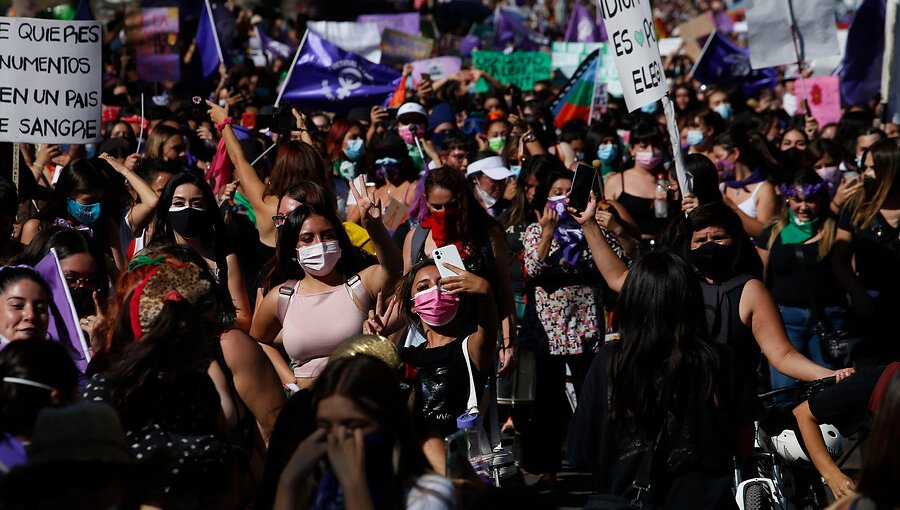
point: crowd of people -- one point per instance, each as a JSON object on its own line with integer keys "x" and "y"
{"x": 273, "y": 342}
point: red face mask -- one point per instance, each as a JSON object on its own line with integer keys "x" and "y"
{"x": 444, "y": 227}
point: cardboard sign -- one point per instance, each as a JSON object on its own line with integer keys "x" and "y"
{"x": 50, "y": 81}
{"x": 694, "y": 29}
{"x": 632, "y": 37}
{"x": 770, "y": 40}
{"x": 395, "y": 213}
{"x": 152, "y": 34}
{"x": 439, "y": 67}
{"x": 398, "y": 48}
{"x": 521, "y": 68}
{"x": 824, "y": 98}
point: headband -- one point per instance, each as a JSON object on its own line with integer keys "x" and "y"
{"x": 807, "y": 190}
{"x": 166, "y": 282}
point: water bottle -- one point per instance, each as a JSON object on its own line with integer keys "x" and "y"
{"x": 468, "y": 422}
{"x": 660, "y": 204}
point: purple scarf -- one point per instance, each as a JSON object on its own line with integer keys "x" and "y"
{"x": 568, "y": 234}
{"x": 753, "y": 178}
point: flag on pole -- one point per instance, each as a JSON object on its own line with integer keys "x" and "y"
{"x": 325, "y": 77}
{"x": 770, "y": 40}
{"x": 64, "y": 327}
{"x": 399, "y": 95}
{"x": 509, "y": 27}
{"x": 575, "y": 100}
{"x": 208, "y": 42}
{"x": 277, "y": 49}
{"x": 583, "y": 27}
{"x": 721, "y": 62}
{"x": 363, "y": 39}
{"x": 220, "y": 168}
{"x": 861, "y": 67}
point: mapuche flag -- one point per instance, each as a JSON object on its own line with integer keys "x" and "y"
{"x": 574, "y": 102}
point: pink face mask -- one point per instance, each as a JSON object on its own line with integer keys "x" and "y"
{"x": 409, "y": 132}
{"x": 435, "y": 307}
{"x": 648, "y": 160}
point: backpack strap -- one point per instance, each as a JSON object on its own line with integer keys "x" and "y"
{"x": 357, "y": 292}
{"x": 417, "y": 246}
{"x": 285, "y": 293}
{"x": 472, "y": 403}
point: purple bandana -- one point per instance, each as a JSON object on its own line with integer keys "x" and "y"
{"x": 753, "y": 178}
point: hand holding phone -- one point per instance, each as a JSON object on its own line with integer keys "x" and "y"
{"x": 582, "y": 184}
{"x": 447, "y": 255}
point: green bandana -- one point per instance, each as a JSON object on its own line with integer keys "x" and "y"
{"x": 796, "y": 231}
{"x": 244, "y": 202}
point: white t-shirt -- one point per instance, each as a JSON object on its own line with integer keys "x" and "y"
{"x": 431, "y": 492}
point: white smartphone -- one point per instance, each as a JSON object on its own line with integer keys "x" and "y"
{"x": 850, "y": 175}
{"x": 447, "y": 255}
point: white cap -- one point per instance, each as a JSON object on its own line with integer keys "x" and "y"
{"x": 493, "y": 167}
{"x": 412, "y": 107}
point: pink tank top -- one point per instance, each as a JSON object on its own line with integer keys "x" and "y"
{"x": 314, "y": 324}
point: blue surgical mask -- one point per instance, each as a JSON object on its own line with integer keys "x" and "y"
{"x": 516, "y": 170}
{"x": 84, "y": 214}
{"x": 650, "y": 108}
{"x": 695, "y": 137}
{"x": 724, "y": 109}
{"x": 355, "y": 149}
{"x": 859, "y": 162}
{"x": 607, "y": 153}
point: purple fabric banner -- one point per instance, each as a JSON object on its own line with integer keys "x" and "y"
{"x": 278, "y": 49}
{"x": 861, "y": 66}
{"x": 406, "y": 22}
{"x": 325, "y": 77}
{"x": 583, "y": 27}
{"x": 509, "y": 27}
{"x": 64, "y": 327}
{"x": 207, "y": 44}
{"x": 724, "y": 63}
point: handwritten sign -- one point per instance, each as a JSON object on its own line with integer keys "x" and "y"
{"x": 398, "y": 48}
{"x": 152, "y": 34}
{"x": 824, "y": 98}
{"x": 50, "y": 81}
{"x": 438, "y": 67}
{"x": 521, "y": 68}
{"x": 629, "y": 24}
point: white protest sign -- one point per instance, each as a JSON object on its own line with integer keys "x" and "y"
{"x": 50, "y": 81}
{"x": 632, "y": 35}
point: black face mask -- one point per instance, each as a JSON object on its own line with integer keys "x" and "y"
{"x": 713, "y": 260}
{"x": 188, "y": 222}
{"x": 870, "y": 186}
{"x": 83, "y": 299}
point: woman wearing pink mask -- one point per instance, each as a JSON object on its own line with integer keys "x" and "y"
{"x": 453, "y": 353}
{"x": 635, "y": 188}
{"x": 331, "y": 286}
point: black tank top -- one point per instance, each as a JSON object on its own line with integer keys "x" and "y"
{"x": 723, "y": 315}
{"x": 641, "y": 210}
{"x": 441, "y": 385}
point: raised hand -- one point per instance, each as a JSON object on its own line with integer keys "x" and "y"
{"x": 583, "y": 217}
{"x": 369, "y": 207}
{"x": 378, "y": 319}
{"x": 464, "y": 282}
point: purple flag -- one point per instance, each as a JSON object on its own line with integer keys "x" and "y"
{"x": 861, "y": 67}
{"x": 325, "y": 77}
{"x": 64, "y": 327}
{"x": 278, "y": 49}
{"x": 583, "y": 27}
{"x": 208, "y": 42}
{"x": 509, "y": 26}
{"x": 724, "y": 63}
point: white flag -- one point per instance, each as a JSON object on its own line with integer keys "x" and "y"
{"x": 364, "y": 39}
{"x": 769, "y": 31}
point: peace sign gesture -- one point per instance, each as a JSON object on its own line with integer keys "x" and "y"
{"x": 380, "y": 318}
{"x": 369, "y": 207}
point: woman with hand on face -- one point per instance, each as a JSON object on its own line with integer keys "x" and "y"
{"x": 75, "y": 203}
{"x": 345, "y": 146}
{"x": 188, "y": 215}
{"x": 796, "y": 249}
{"x": 363, "y": 453}
{"x": 24, "y": 305}
{"x": 331, "y": 288}
{"x": 394, "y": 175}
{"x": 454, "y": 353}
{"x": 740, "y": 310}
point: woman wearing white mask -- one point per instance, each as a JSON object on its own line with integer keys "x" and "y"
{"x": 635, "y": 188}
{"x": 333, "y": 287}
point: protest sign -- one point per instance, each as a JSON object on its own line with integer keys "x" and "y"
{"x": 398, "y": 48}
{"x": 824, "y": 98}
{"x": 567, "y": 56}
{"x": 632, "y": 35}
{"x": 363, "y": 39}
{"x": 439, "y": 67}
{"x": 521, "y": 68}
{"x": 63, "y": 326}
{"x": 769, "y": 31}
{"x": 694, "y": 29}
{"x": 50, "y": 74}
{"x": 406, "y": 22}
{"x": 152, "y": 34}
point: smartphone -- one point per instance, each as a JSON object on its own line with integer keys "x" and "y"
{"x": 392, "y": 114}
{"x": 582, "y": 184}
{"x": 447, "y": 255}
{"x": 850, "y": 175}
{"x": 457, "y": 461}
{"x": 248, "y": 120}
{"x": 426, "y": 77}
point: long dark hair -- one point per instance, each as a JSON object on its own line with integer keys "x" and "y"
{"x": 755, "y": 151}
{"x": 353, "y": 259}
{"x": 12, "y": 275}
{"x": 164, "y": 234}
{"x": 474, "y": 222}
{"x": 539, "y": 167}
{"x": 297, "y": 161}
{"x": 67, "y": 242}
{"x": 885, "y": 161}
{"x": 375, "y": 389}
{"x": 665, "y": 351}
{"x": 878, "y": 479}
{"x": 77, "y": 177}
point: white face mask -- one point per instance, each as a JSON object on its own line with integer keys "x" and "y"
{"x": 319, "y": 259}
{"x": 486, "y": 199}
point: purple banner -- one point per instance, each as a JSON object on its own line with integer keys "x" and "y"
{"x": 407, "y": 22}
{"x": 63, "y": 326}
